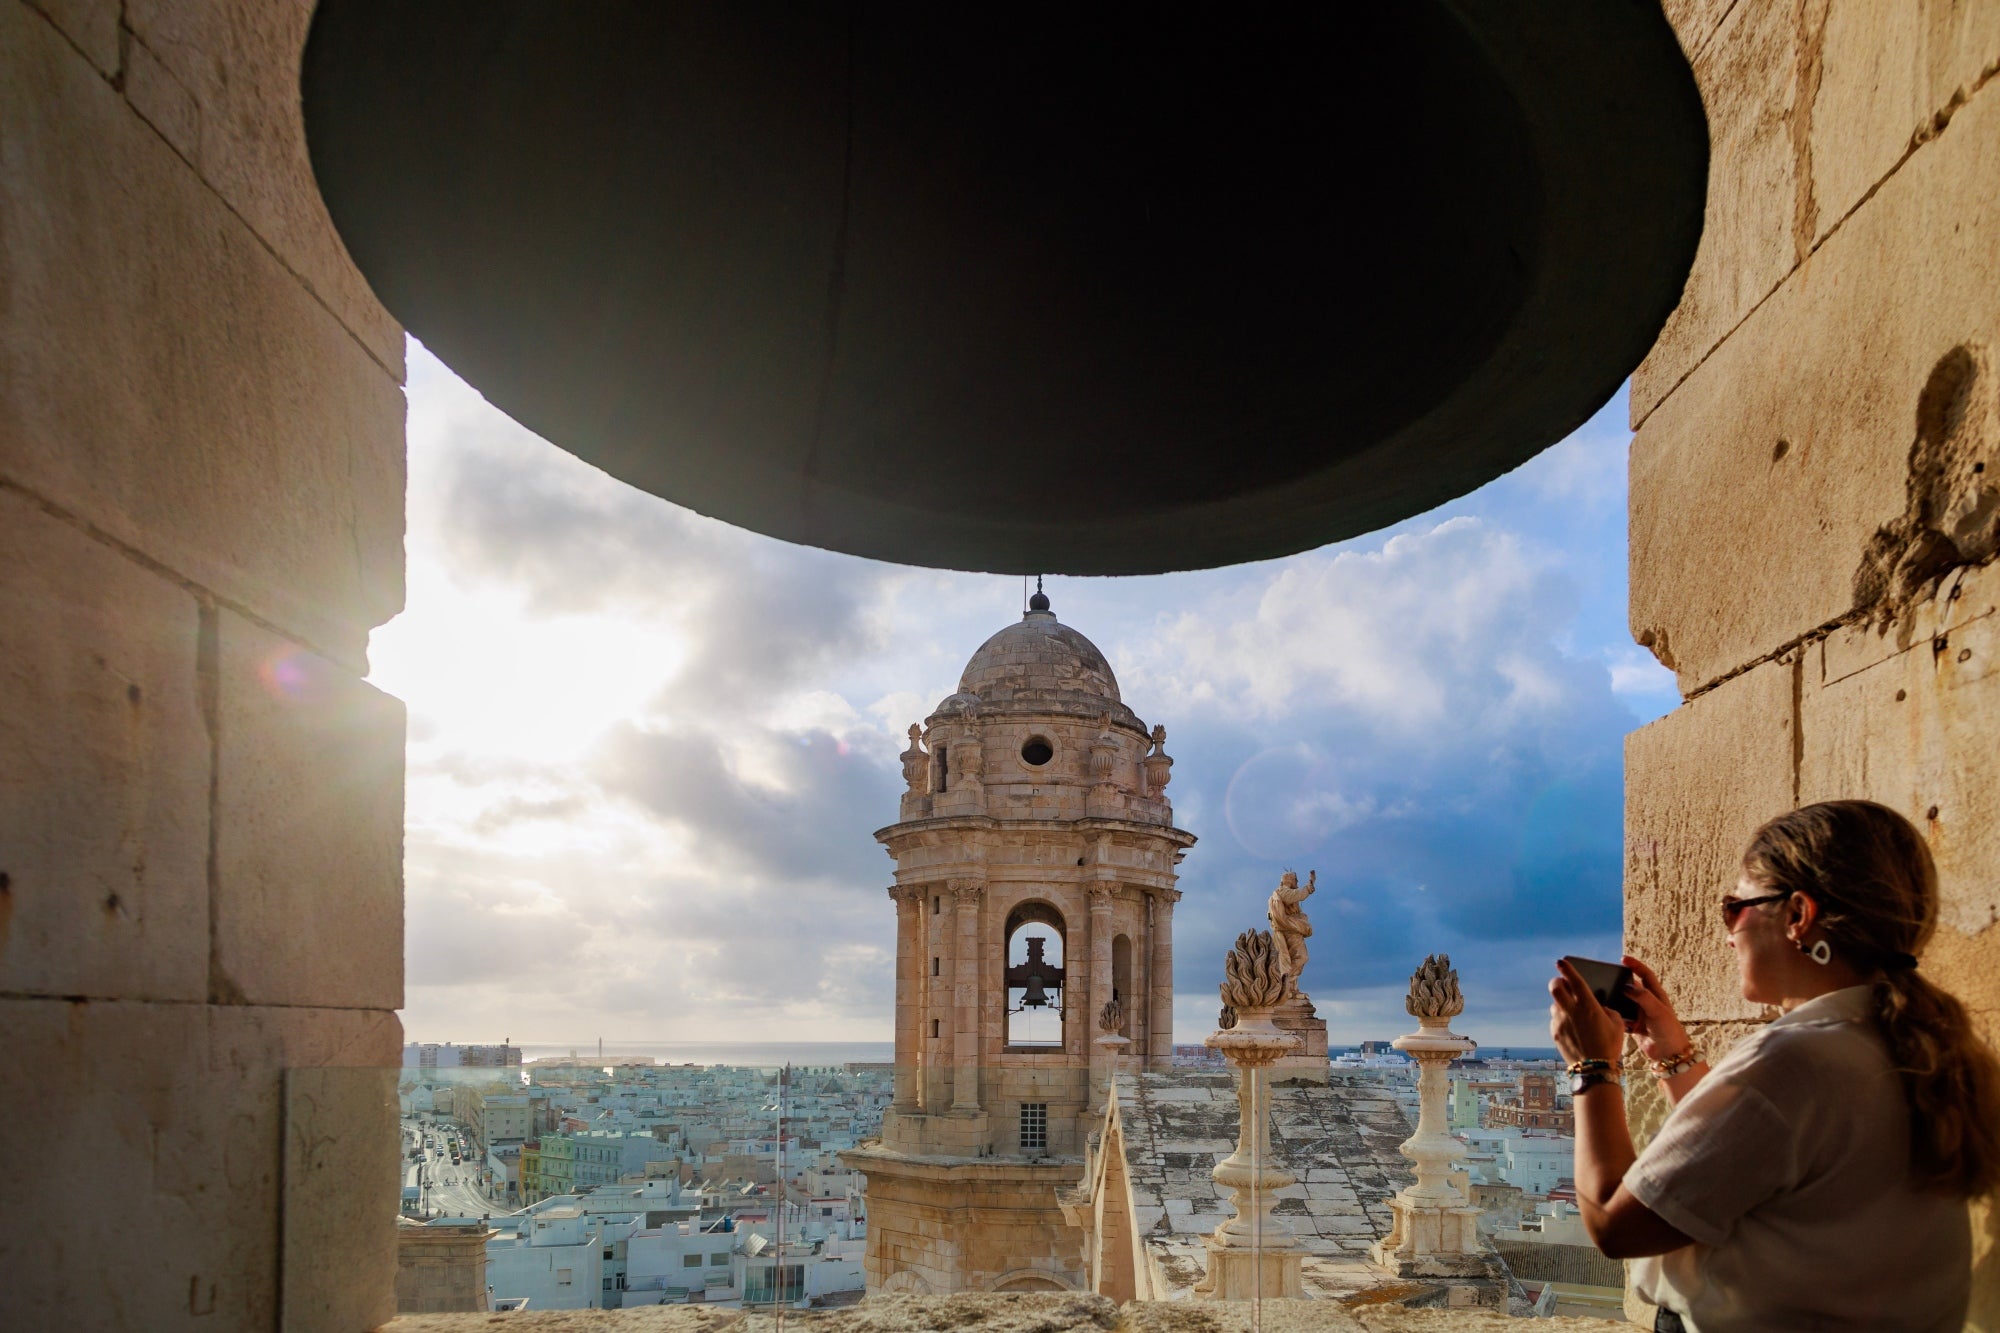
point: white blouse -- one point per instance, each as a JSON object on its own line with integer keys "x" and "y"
{"x": 1789, "y": 1167}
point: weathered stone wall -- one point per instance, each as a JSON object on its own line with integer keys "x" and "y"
{"x": 201, "y": 517}
{"x": 1813, "y": 488}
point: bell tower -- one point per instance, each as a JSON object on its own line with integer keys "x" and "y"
{"x": 1035, "y": 870}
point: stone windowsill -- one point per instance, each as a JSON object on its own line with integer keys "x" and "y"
{"x": 1052, "y": 1313}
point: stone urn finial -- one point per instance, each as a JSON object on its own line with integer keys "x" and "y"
{"x": 1434, "y": 998}
{"x": 1434, "y": 1228}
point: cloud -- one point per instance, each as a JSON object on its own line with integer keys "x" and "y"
{"x": 649, "y": 751}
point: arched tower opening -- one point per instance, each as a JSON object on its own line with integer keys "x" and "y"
{"x": 1036, "y": 937}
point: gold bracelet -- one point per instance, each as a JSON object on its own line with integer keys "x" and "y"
{"x": 1675, "y": 1066}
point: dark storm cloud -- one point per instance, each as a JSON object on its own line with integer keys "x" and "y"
{"x": 1400, "y": 719}
{"x": 812, "y": 823}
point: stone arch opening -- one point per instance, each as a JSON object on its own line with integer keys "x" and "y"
{"x": 1036, "y": 944}
{"x": 1030, "y": 1279}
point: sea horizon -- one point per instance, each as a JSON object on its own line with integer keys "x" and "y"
{"x": 775, "y": 1053}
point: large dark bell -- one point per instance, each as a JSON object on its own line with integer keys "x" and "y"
{"x": 1072, "y": 288}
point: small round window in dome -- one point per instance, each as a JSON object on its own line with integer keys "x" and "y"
{"x": 1037, "y": 751}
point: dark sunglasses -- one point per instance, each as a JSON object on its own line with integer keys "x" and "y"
{"x": 1733, "y": 907}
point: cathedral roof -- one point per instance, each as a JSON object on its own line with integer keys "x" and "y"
{"x": 1337, "y": 1140}
{"x": 1040, "y": 665}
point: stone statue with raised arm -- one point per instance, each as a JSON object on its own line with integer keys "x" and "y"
{"x": 1289, "y": 927}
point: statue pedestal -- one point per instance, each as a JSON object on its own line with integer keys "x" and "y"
{"x": 1105, "y": 1065}
{"x": 1234, "y": 1272}
{"x": 1308, "y": 1061}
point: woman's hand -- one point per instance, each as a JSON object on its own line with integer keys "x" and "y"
{"x": 1658, "y": 1028}
{"x": 1582, "y": 1028}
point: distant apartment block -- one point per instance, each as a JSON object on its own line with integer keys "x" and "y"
{"x": 445, "y": 1055}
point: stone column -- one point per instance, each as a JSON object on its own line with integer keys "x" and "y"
{"x": 1435, "y": 1232}
{"x": 936, "y": 989}
{"x": 965, "y": 997}
{"x": 909, "y": 985}
{"x": 1159, "y": 1053}
{"x": 1253, "y": 1254}
{"x": 1100, "y": 968}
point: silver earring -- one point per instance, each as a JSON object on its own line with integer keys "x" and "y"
{"x": 1819, "y": 953}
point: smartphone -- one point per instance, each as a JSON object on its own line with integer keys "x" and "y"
{"x": 1607, "y": 983}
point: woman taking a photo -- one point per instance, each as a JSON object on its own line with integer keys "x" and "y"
{"x": 1817, "y": 1176}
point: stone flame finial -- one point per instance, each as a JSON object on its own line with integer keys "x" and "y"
{"x": 1253, "y": 976}
{"x": 1434, "y": 993}
{"x": 1111, "y": 1017}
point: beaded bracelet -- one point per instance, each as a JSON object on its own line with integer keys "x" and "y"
{"x": 1675, "y": 1066}
{"x": 1586, "y": 1066}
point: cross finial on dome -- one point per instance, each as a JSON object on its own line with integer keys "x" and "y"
{"x": 1040, "y": 601}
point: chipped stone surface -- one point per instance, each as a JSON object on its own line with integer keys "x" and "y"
{"x": 1900, "y": 731}
{"x": 1759, "y": 487}
{"x": 1339, "y": 1140}
{"x": 1888, "y": 70}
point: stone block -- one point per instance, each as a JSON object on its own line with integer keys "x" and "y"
{"x": 162, "y": 100}
{"x": 1889, "y": 72}
{"x": 1748, "y": 73}
{"x": 1914, "y": 730}
{"x": 309, "y": 819}
{"x": 1772, "y": 468}
{"x": 1695, "y": 21}
{"x": 174, "y": 1111}
{"x": 104, "y": 771}
{"x": 1698, "y": 782}
{"x": 223, "y": 422}
{"x": 342, "y": 1173}
{"x": 1646, "y": 1107}
{"x": 91, "y": 27}
{"x": 240, "y": 59}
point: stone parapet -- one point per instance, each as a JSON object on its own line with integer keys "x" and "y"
{"x": 1009, "y": 1313}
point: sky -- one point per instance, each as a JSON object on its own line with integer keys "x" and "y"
{"x": 648, "y": 751}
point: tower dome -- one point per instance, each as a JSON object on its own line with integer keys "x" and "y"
{"x": 1041, "y": 665}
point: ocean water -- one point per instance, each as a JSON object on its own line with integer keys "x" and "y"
{"x": 760, "y": 1053}
{"x": 773, "y": 1053}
